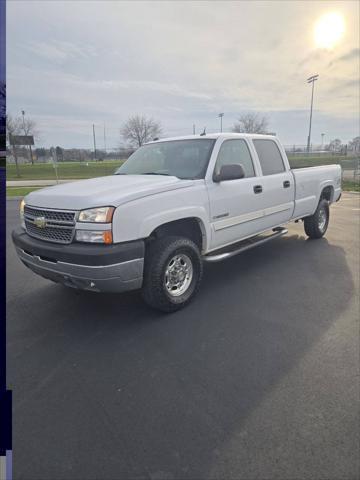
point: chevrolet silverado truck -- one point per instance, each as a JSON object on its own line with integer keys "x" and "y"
{"x": 173, "y": 205}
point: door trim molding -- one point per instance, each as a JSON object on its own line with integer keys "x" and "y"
{"x": 248, "y": 217}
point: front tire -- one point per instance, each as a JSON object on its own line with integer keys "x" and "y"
{"x": 316, "y": 225}
{"x": 172, "y": 273}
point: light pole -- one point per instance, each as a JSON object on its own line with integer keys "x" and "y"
{"x": 312, "y": 80}
{"x": 322, "y": 141}
{"x": 25, "y": 133}
{"x": 23, "y": 117}
{"x": 221, "y": 117}
{"x": 94, "y": 142}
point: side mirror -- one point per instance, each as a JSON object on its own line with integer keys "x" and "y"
{"x": 229, "y": 172}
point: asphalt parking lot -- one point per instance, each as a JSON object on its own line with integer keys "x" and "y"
{"x": 258, "y": 378}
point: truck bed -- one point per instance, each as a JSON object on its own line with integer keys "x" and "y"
{"x": 310, "y": 181}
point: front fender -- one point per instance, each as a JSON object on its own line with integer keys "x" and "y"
{"x": 139, "y": 218}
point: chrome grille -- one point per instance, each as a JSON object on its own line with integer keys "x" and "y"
{"x": 55, "y": 225}
{"x": 57, "y": 215}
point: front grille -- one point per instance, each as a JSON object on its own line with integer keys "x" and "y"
{"x": 57, "y": 215}
{"x": 55, "y": 225}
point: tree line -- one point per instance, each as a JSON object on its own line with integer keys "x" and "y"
{"x": 140, "y": 129}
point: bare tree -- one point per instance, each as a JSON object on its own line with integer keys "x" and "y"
{"x": 21, "y": 126}
{"x": 29, "y": 127}
{"x": 251, "y": 123}
{"x": 354, "y": 144}
{"x": 13, "y": 127}
{"x": 139, "y": 130}
{"x": 335, "y": 145}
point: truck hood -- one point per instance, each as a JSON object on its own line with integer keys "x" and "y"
{"x": 113, "y": 190}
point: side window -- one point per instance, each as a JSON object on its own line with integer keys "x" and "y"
{"x": 235, "y": 151}
{"x": 269, "y": 156}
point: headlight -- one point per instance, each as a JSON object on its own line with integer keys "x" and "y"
{"x": 22, "y": 208}
{"x": 97, "y": 215}
{"x": 94, "y": 236}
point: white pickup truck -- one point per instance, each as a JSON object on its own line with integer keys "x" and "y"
{"x": 172, "y": 205}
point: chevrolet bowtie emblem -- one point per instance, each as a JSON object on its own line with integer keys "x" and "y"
{"x": 40, "y": 222}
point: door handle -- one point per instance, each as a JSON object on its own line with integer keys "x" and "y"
{"x": 286, "y": 184}
{"x": 257, "y": 188}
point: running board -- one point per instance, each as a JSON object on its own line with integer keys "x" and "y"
{"x": 244, "y": 245}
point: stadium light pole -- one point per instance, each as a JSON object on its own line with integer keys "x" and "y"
{"x": 221, "y": 117}
{"x": 30, "y": 150}
{"x": 322, "y": 141}
{"x": 23, "y": 119}
{"x": 312, "y": 80}
{"x": 94, "y": 141}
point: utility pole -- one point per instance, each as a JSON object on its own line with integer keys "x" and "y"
{"x": 312, "y": 80}
{"x": 221, "y": 117}
{"x": 23, "y": 118}
{"x": 104, "y": 139}
{"x": 94, "y": 142}
{"x": 194, "y": 129}
{"x": 322, "y": 141}
{"x": 30, "y": 151}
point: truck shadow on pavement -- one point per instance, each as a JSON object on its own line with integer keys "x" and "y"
{"x": 125, "y": 391}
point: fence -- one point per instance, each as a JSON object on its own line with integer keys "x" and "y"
{"x": 83, "y": 163}
{"x": 320, "y": 151}
{"x": 80, "y": 155}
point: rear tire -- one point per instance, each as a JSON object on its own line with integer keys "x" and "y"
{"x": 172, "y": 273}
{"x": 316, "y": 225}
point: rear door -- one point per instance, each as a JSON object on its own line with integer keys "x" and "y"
{"x": 276, "y": 183}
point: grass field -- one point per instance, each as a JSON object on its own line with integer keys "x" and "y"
{"x": 69, "y": 170}
{"x": 350, "y": 186}
{"x": 345, "y": 162}
{"x": 19, "y": 191}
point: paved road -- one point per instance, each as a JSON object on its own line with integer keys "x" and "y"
{"x": 257, "y": 378}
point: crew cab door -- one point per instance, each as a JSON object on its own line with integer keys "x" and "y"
{"x": 235, "y": 205}
{"x": 276, "y": 181}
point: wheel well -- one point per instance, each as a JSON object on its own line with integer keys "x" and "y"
{"x": 327, "y": 193}
{"x": 185, "y": 227}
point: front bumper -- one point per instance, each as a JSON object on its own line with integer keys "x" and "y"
{"x": 100, "y": 268}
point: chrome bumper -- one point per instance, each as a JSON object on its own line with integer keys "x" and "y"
{"x": 117, "y": 277}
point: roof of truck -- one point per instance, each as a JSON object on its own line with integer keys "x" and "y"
{"x": 215, "y": 136}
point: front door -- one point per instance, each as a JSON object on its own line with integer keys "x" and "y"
{"x": 236, "y": 206}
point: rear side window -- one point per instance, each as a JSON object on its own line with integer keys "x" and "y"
{"x": 235, "y": 151}
{"x": 269, "y": 156}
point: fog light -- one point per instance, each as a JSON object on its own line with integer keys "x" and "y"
{"x": 94, "y": 236}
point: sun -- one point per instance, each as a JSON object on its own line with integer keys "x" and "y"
{"x": 328, "y": 30}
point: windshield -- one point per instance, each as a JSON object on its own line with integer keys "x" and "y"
{"x": 185, "y": 159}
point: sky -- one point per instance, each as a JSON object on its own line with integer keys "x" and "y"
{"x": 71, "y": 64}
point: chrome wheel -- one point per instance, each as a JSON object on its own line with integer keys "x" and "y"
{"x": 178, "y": 274}
{"x": 322, "y": 219}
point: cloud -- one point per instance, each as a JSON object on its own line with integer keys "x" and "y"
{"x": 349, "y": 56}
{"x": 181, "y": 62}
{"x": 58, "y": 51}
